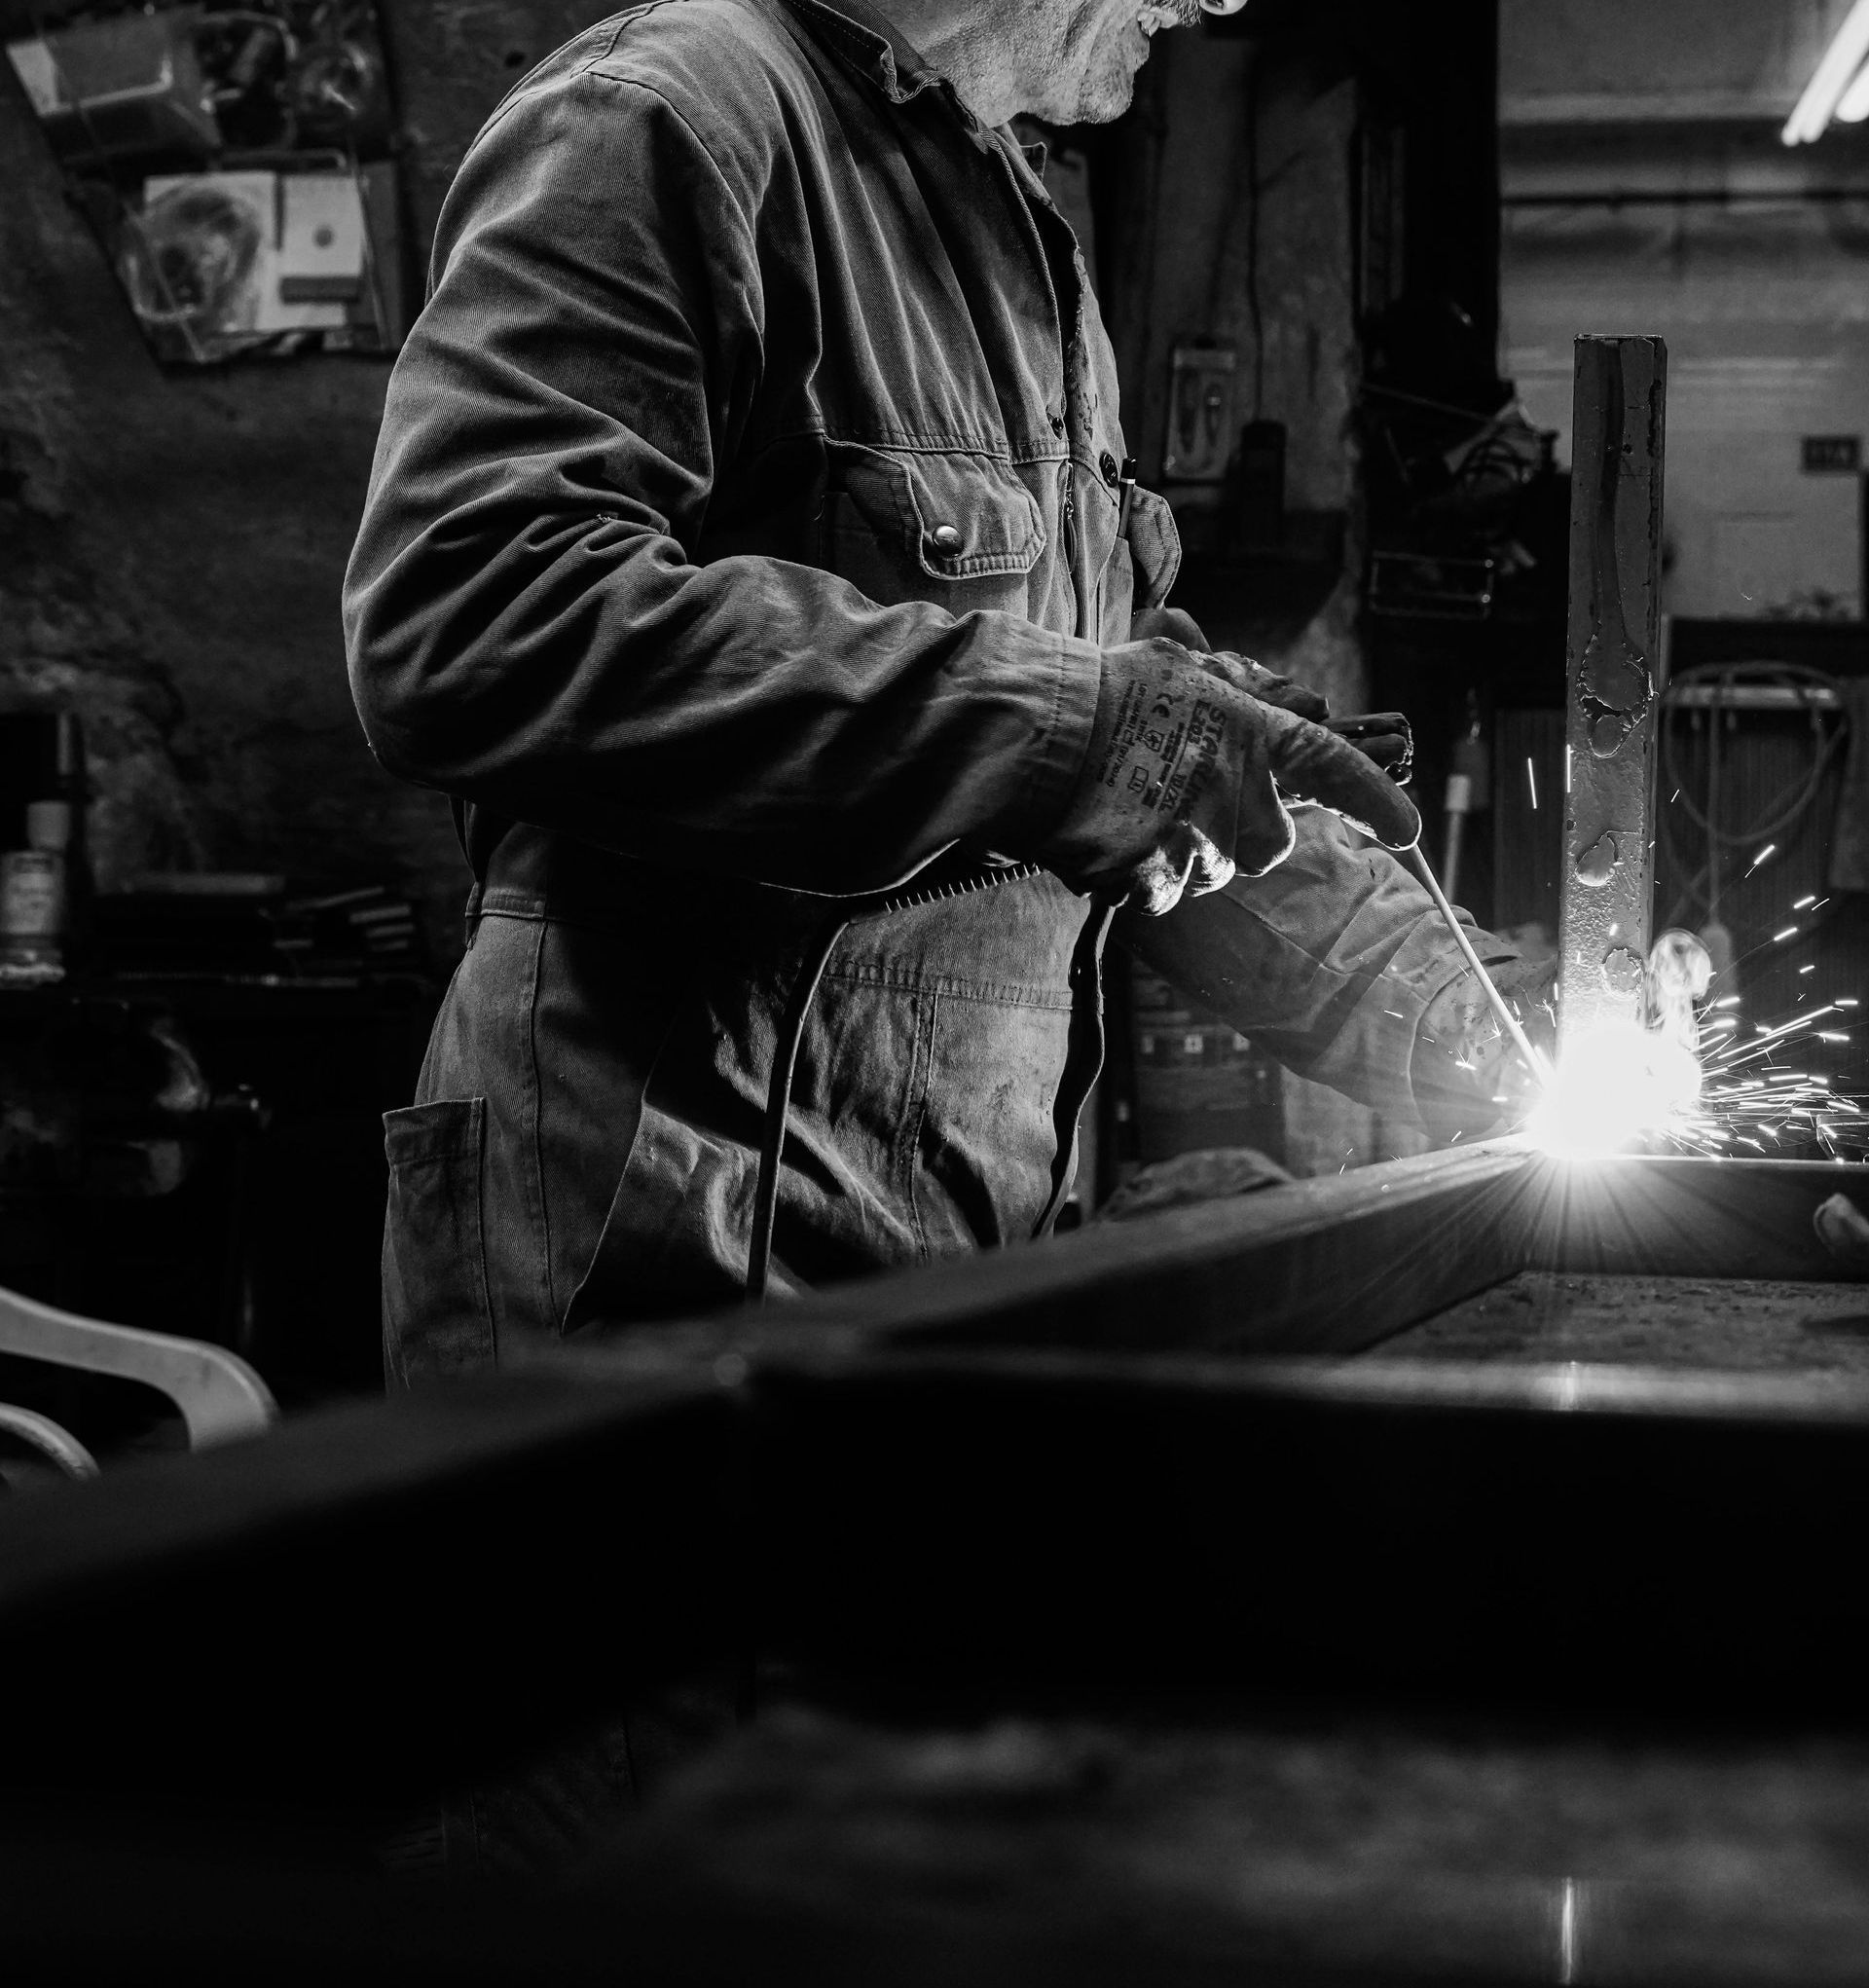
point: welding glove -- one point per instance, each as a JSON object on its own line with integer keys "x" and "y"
{"x": 1468, "y": 1077}
{"x": 1186, "y": 780}
{"x": 1384, "y": 736}
{"x": 1242, "y": 672}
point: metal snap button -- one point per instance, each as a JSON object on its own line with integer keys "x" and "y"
{"x": 1112, "y": 475}
{"x": 947, "y": 539}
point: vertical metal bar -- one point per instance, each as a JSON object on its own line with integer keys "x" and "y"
{"x": 1613, "y": 681}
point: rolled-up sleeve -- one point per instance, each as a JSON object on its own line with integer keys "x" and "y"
{"x": 527, "y": 624}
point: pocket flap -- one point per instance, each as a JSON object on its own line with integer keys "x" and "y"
{"x": 957, "y": 516}
{"x": 437, "y": 1304}
{"x": 450, "y": 1128}
{"x": 1155, "y": 545}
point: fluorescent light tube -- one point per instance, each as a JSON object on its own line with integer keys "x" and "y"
{"x": 1854, "y": 106}
{"x": 1828, "y": 88}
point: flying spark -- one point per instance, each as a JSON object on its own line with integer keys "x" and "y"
{"x": 1682, "y": 1084}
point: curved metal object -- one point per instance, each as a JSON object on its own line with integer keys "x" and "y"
{"x": 1843, "y": 1231}
{"x": 221, "y": 1398}
{"x": 58, "y": 1446}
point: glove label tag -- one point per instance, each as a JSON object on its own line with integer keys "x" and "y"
{"x": 1162, "y": 762}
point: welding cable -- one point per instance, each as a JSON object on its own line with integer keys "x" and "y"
{"x": 1786, "y": 810}
{"x": 819, "y": 949}
{"x": 55, "y": 1444}
{"x": 1790, "y": 676}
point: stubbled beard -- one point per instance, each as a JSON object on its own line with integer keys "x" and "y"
{"x": 1095, "y": 91}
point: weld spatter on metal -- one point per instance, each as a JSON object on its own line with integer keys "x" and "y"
{"x": 1614, "y": 698}
{"x": 1624, "y": 972}
{"x": 1600, "y": 862}
{"x": 1609, "y": 731}
{"x": 1614, "y": 675}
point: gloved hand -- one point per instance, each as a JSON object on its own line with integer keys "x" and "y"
{"x": 1242, "y": 672}
{"x": 1384, "y": 736}
{"x": 1465, "y": 1063}
{"x": 1181, "y": 784}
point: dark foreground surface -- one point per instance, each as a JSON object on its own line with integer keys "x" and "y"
{"x": 1190, "y": 1847}
{"x": 1351, "y": 1846}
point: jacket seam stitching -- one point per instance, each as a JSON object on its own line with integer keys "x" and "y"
{"x": 990, "y": 993}
{"x": 480, "y": 1223}
{"x": 860, "y": 53}
{"x": 515, "y": 96}
{"x": 538, "y": 1131}
{"x": 674, "y": 109}
{"x": 907, "y": 441}
{"x": 913, "y": 1158}
{"x": 1055, "y": 730}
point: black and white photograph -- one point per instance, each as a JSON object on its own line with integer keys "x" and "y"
{"x": 932, "y": 937}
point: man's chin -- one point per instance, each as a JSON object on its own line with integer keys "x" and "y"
{"x": 1101, "y": 98}
{"x": 1114, "y": 101}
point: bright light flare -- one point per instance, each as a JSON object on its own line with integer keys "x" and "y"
{"x": 1612, "y": 1088}
{"x": 1831, "y": 83}
{"x": 1853, "y": 106}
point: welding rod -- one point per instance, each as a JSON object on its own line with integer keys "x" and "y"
{"x": 1534, "y": 1062}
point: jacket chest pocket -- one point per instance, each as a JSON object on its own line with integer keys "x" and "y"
{"x": 961, "y": 530}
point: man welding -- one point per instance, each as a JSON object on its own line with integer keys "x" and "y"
{"x": 750, "y": 555}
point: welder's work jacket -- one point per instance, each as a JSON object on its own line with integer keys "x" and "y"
{"x": 744, "y": 534}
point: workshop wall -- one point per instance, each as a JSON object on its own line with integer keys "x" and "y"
{"x": 1248, "y": 243}
{"x": 172, "y": 544}
{"x": 1581, "y": 61}
{"x": 1235, "y": 225}
{"x": 1646, "y": 187}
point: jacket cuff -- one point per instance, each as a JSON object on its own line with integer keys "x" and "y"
{"x": 1048, "y": 778}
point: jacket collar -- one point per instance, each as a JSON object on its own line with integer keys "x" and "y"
{"x": 870, "y": 44}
